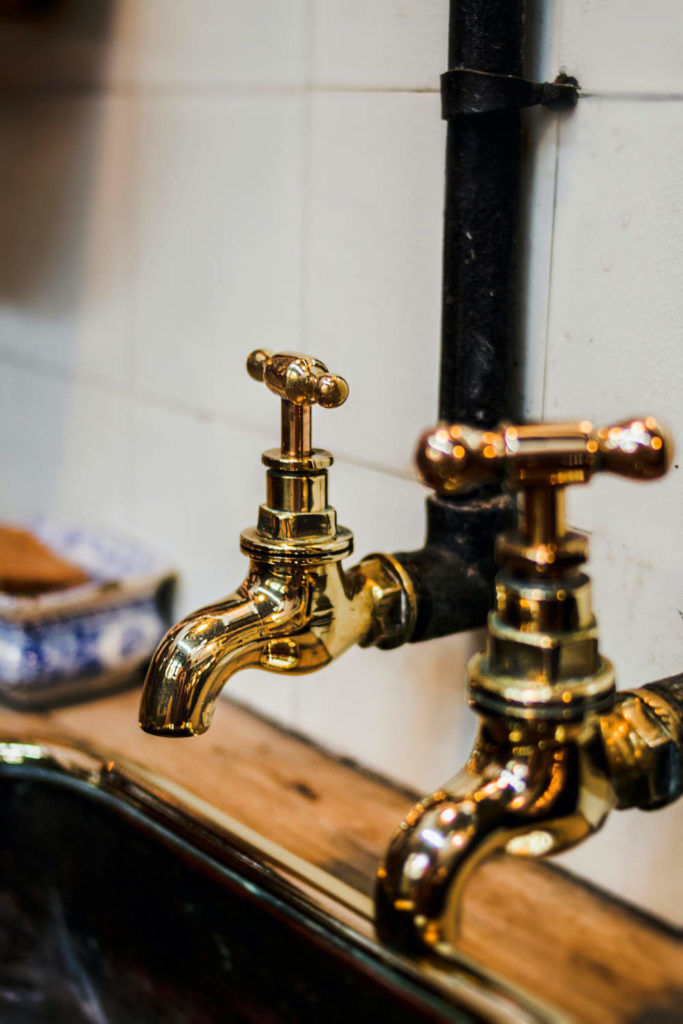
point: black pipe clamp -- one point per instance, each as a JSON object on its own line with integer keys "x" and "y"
{"x": 465, "y": 92}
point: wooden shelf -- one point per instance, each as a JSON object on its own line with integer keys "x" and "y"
{"x": 535, "y": 925}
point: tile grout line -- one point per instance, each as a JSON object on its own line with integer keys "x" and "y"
{"x": 306, "y": 175}
{"x": 556, "y": 50}
{"x": 133, "y": 172}
{"x": 546, "y": 342}
{"x": 134, "y": 284}
{"x": 154, "y": 400}
{"x": 295, "y": 704}
{"x": 191, "y": 90}
{"x": 633, "y": 97}
{"x": 202, "y": 91}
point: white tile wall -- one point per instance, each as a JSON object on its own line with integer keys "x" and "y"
{"x": 623, "y": 46}
{"x": 218, "y": 239}
{"x": 177, "y": 460}
{"x": 614, "y": 351}
{"x": 178, "y": 186}
{"x": 386, "y": 44}
{"x": 214, "y": 44}
{"x": 399, "y": 712}
{"x": 372, "y": 275}
{"x": 66, "y": 449}
{"x": 65, "y": 232}
{"x": 538, "y": 213}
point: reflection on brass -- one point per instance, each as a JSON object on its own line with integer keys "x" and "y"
{"x": 538, "y": 461}
{"x": 643, "y": 739}
{"x": 298, "y": 608}
{"x": 331, "y": 909}
{"x": 529, "y": 788}
{"x": 300, "y": 381}
{"x": 453, "y": 458}
{"x": 557, "y": 747}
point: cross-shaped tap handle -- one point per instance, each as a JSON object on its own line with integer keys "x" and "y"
{"x": 539, "y": 460}
{"x": 300, "y": 381}
{"x": 453, "y": 458}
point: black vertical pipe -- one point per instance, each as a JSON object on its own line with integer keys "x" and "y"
{"x": 453, "y": 573}
{"x": 479, "y": 336}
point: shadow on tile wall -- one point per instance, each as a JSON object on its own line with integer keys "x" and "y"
{"x": 47, "y": 148}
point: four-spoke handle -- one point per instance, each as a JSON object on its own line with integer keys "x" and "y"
{"x": 301, "y": 382}
{"x": 453, "y": 458}
{"x": 300, "y": 379}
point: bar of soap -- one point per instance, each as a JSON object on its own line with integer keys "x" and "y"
{"x": 28, "y": 567}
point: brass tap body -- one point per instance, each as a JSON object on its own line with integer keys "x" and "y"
{"x": 557, "y": 747}
{"x": 297, "y": 608}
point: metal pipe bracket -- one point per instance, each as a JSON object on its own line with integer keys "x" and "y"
{"x": 465, "y": 92}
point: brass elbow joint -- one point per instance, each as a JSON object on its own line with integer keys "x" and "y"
{"x": 557, "y": 748}
{"x": 643, "y": 740}
{"x": 298, "y": 608}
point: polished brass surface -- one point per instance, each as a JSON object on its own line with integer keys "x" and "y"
{"x": 453, "y": 458}
{"x": 529, "y": 789}
{"x": 300, "y": 381}
{"x": 286, "y": 617}
{"x": 557, "y": 748}
{"x": 206, "y": 837}
{"x": 643, "y": 737}
{"x": 539, "y": 461}
{"x": 298, "y": 608}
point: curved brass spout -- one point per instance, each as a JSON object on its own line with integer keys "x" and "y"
{"x": 528, "y": 790}
{"x": 284, "y": 618}
{"x": 197, "y": 657}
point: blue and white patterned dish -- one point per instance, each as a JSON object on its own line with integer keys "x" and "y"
{"x": 74, "y": 643}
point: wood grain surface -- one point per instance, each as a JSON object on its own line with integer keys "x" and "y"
{"x": 535, "y": 925}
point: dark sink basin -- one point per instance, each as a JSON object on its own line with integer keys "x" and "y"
{"x": 121, "y": 902}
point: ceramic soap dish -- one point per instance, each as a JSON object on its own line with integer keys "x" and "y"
{"x": 77, "y": 643}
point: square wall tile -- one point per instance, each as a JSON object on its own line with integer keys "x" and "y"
{"x": 196, "y": 485}
{"x": 403, "y": 44}
{"x": 614, "y": 351}
{"x": 401, "y": 712}
{"x": 386, "y": 44}
{"x": 623, "y": 46}
{"x": 219, "y": 200}
{"x": 33, "y": 409}
{"x": 246, "y": 43}
{"x": 384, "y": 512}
{"x": 373, "y": 277}
{"x": 66, "y": 450}
{"x": 65, "y": 232}
{"x": 539, "y": 176}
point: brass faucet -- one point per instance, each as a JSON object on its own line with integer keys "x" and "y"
{"x": 558, "y": 748}
{"x": 297, "y": 608}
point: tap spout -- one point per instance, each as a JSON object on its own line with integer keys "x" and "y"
{"x": 526, "y": 790}
{"x": 287, "y": 616}
{"x": 196, "y": 658}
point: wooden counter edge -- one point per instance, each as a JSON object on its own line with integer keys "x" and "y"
{"x": 563, "y": 940}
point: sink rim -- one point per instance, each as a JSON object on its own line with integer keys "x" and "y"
{"x": 203, "y": 833}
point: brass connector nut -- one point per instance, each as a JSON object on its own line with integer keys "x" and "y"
{"x": 642, "y": 752}
{"x": 394, "y": 601}
{"x": 539, "y": 699}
